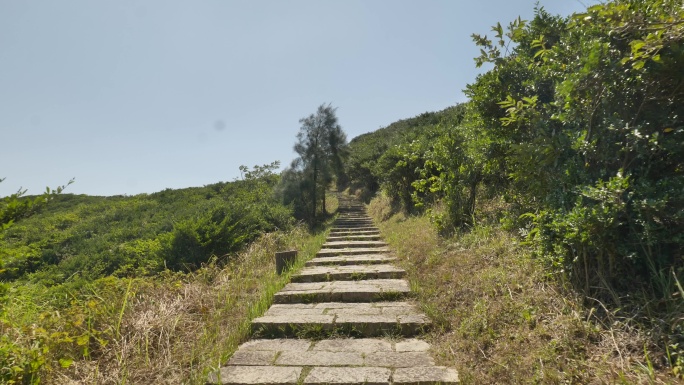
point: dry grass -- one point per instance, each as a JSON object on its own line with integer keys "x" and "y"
{"x": 176, "y": 329}
{"x": 500, "y": 318}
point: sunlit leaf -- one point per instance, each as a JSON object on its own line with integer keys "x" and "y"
{"x": 82, "y": 340}
{"x": 65, "y": 362}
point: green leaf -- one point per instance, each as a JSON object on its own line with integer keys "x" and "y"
{"x": 82, "y": 340}
{"x": 636, "y": 45}
{"x": 65, "y": 362}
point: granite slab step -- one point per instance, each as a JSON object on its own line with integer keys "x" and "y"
{"x": 347, "y": 227}
{"x": 401, "y": 319}
{"x": 331, "y": 375}
{"x": 343, "y": 291}
{"x": 353, "y": 244}
{"x": 351, "y": 260}
{"x": 354, "y": 237}
{"x": 354, "y": 232}
{"x": 348, "y": 272}
{"x": 353, "y": 210}
{"x": 352, "y": 251}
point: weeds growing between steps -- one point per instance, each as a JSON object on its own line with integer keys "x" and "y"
{"x": 499, "y": 317}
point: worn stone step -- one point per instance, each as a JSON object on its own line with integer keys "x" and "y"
{"x": 354, "y": 237}
{"x": 330, "y": 375}
{"x": 361, "y": 227}
{"x": 348, "y": 272}
{"x": 340, "y": 318}
{"x": 351, "y": 260}
{"x": 353, "y": 244}
{"x": 354, "y": 232}
{"x": 352, "y": 251}
{"x": 343, "y": 291}
{"x": 353, "y": 225}
{"x": 351, "y": 209}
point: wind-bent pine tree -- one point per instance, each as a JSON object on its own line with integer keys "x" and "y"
{"x": 322, "y": 146}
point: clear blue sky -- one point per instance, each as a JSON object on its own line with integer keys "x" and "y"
{"x": 137, "y": 96}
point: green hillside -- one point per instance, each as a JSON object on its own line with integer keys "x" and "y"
{"x": 371, "y": 154}
{"x": 78, "y": 236}
{"x": 80, "y": 273}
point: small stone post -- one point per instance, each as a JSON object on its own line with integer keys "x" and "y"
{"x": 285, "y": 260}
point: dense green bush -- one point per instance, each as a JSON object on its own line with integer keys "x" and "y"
{"x": 578, "y": 126}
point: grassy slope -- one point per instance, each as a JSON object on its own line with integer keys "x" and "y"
{"x": 172, "y": 328}
{"x": 164, "y": 328}
{"x": 501, "y": 319}
{"x": 79, "y": 236}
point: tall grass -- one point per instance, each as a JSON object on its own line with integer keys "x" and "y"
{"x": 173, "y": 328}
{"x": 501, "y": 317}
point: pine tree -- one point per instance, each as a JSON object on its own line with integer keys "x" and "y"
{"x": 322, "y": 146}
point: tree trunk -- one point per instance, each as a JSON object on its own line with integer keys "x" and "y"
{"x": 323, "y": 204}
{"x": 315, "y": 172}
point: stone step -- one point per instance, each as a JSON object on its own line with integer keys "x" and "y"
{"x": 354, "y": 232}
{"x": 353, "y": 227}
{"x": 350, "y": 226}
{"x": 352, "y": 251}
{"x": 352, "y": 223}
{"x": 353, "y": 244}
{"x": 343, "y": 291}
{"x": 340, "y": 318}
{"x": 348, "y": 273}
{"x": 354, "y": 237}
{"x": 368, "y": 259}
{"x": 378, "y": 361}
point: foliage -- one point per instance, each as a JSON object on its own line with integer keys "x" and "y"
{"x": 578, "y": 126}
{"x": 592, "y": 129}
{"x": 12, "y": 208}
{"x": 92, "y": 237}
{"x": 170, "y": 327}
{"x": 92, "y": 293}
{"x": 391, "y": 158}
{"x": 499, "y": 318}
{"x": 322, "y": 148}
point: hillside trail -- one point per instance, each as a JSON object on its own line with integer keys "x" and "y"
{"x": 346, "y": 318}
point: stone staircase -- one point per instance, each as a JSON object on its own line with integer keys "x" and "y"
{"x": 346, "y": 318}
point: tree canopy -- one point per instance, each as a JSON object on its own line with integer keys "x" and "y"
{"x": 322, "y": 148}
